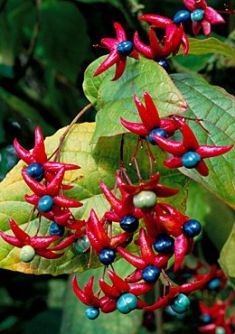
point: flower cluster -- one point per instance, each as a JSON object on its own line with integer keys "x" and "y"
{"x": 197, "y": 11}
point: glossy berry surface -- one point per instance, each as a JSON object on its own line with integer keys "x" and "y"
{"x": 92, "y": 313}
{"x": 191, "y": 159}
{"x": 81, "y": 245}
{"x": 197, "y": 15}
{"x": 56, "y": 229}
{"x": 27, "y": 253}
{"x": 150, "y": 274}
{"x": 180, "y": 303}
{"x": 159, "y": 132}
{"x": 192, "y": 228}
{"x": 126, "y": 303}
{"x": 170, "y": 311}
{"x": 163, "y": 63}
{"x": 45, "y": 203}
{"x": 214, "y": 284}
{"x": 129, "y": 223}
{"x": 206, "y": 318}
{"x": 145, "y": 200}
{"x": 181, "y": 16}
{"x": 164, "y": 244}
{"x": 36, "y": 171}
{"x": 220, "y": 330}
{"x": 125, "y": 48}
{"x": 107, "y": 256}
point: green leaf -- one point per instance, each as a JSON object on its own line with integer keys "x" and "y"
{"x": 63, "y": 40}
{"x": 226, "y": 259}
{"x": 210, "y": 45}
{"x": 113, "y": 99}
{"x": 97, "y": 162}
{"x": 117, "y": 323}
{"x": 216, "y": 107}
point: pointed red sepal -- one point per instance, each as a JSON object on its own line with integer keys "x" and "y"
{"x": 206, "y": 151}
{"x": 164, "y": 301}
{"x": 144, "y": 49}
{"x": 66, "y": 202}
{"x": 10, "y": 239}
{"x": 180, "y": 250}
{"x": 107, "y": 305}
{"x": 202, "y": 168}
{"x": 147, "y": 253}
{"x": 131, "y": 258}
{"x": 170, "y": 146}
{"x": 109, "y": 291}
{"x": 64, "y": 243}
{"x": 118, "y": 282}
{"x": 199, "y": 284}
{"x": 111, "y": 198}
{"x": 140, "y": 288}
{"x": 173, "y": 162}
{"x": 189, "y": 139}
{"x": 157, "y": 21}
{"x": 108, "y": 62}
{"x": 87, "y": 297}
{"x": 22, "y": 153}
{"x": 22, "y": 236}
{"x": 48, "y": 254}
{"x": 39, "y": 148}
{"x": 136, "y": 276}
{"x": 120, "y": 68}
{"x": 37, "y": 187}
{"x": 136, "y": 128}
{"x": 43, "y": 242}
{"x": 53, "y": 166}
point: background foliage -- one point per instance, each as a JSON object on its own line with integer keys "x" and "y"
{"x": 45, "y": 47}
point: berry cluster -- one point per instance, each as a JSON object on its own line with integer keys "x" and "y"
{"x": 197, "y": 11}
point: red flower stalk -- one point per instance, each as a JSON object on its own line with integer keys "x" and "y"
{"x": 202, "y": 16}
{"x": 120, "y": 48}
{"x": 150, "y": 119}
{"x": 40, "y": 244}
{"x": 148, "y": 258}
{"x": 120, "y": 287}
{"x": 189, "y": 153}
{"x": 170, "y": 44}
{"x": 38, "y": 156}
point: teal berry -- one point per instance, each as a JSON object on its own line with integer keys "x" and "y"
{"x": 220, "y": 330}
{"x": 214, "y": 284}
{"x": 92, "y": 312}
{"x": 206, "y": 318}
{"x": 125, "y": 48}
{"x": 181, "y": 16}
{"x": 127, "y": 303}
{"x": 81, "y": 245}
{"x": 180, "y": 303}
{"x": 197, "y": 15}
{"x": 190, "y": 159}
{"x": 45, "y": 203}
{"x": 150, "y": 274}
{"x": 159, "y": 132}
{"x": 145, "y": 200}
{"x": 56, "y": 229}
{"x": 27, "y": 253}
{"x": 170, "y": 311}
{"x": 36, "y": 171}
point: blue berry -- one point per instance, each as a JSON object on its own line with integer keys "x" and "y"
{"x": 45, "y": 203}
{"x": 206, "y": 318}
{"x": 159, "y": 132}
{"x": 125, "y": 48}
{"x": 150, "y": 274}
{"x": 163, "y": 63}
{"x": 56, "y": 229}
{"x": 197, "y": 15}
{"x": 191, "y": 159}
{"x": 82, "y": 244}
{"x": 181, "y": 16}
{"x": 129, "y": 223}
{"x": 164, "y": 244}
{"x": 127, "y": 303}
{"x": 214, "y": 284}
{"x": 192, "y": 228}
{"x": 107, "y": 256}
{"x": 92, "y": 312}
{"x": 180, "y": 303}
{"x": 36, "y": 171}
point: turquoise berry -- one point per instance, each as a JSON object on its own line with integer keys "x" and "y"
{"x": 82, "y": 244}
{"x": 159, "y": 132}
{"x": 206, "y": 318}
{"x": 220, "y": 330}
{"x": 164, "y": 244}
{"x": 181, "y": 16}
{"x": 163, "y": 62}
{"x": 197, "y": 15}
{"x": 125, "y": 48}
{"x": 170, "y": 311}
{"x": 150, "y": 274}
{"x": 92, "y": 312}
{"x": 45, "y": 203}
{"x": 36, "y": 171}
{"x": 214, "y": 284}
{"x": 192, "y": 228}
{"x": 107, "y": 256}
{"x": 190, "y": 159}
{"x": 145, "y": 200}
{"x": 127, "y": 303}
{"x": 129, "y": 223}
{"x": 56, "y": 229}
{"x": 180, "y": 303}
{"x": 27, "y": 253}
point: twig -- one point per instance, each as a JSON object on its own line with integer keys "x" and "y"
{"x": 158, "y": 313}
